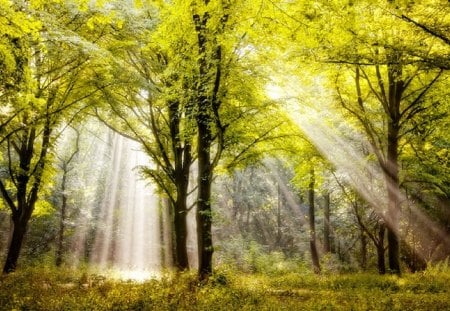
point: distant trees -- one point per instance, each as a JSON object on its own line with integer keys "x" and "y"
{"x": 65, "y": 164}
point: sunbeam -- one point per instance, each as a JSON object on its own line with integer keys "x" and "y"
{"x": 362, "y": 175}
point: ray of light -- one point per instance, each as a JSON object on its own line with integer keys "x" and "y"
{"x": 365, "y": 177}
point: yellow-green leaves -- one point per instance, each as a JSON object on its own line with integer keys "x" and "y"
{"x": 43, "y": 208}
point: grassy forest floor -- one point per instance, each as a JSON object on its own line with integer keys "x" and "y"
{"x": 51, "y": 289}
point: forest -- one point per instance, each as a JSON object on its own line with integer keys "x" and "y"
{"x": 224, "y": 154}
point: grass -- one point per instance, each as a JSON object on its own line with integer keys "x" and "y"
{"x": 51, "y": 289}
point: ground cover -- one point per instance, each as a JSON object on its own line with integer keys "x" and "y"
{"x": 50, "y": 289}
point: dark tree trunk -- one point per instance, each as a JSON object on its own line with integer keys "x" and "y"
{"x": 380, "y": 250}
{"x": 209, "y": 128}
{"x": 389, "y": 162}
{"x": 22, "y": 210}
{"x": 180, "y": 228}
{"x": 312, "y": 225}
{"x": 182, "y": 163}
{"x": 391, "y": 169}
{"x": 204, "y": 124}
{"x": 204, "y": 216}
{"x": 18, "y": 233}
{"x": 207, "y": 117}
{"x": 393, "y": 187}
{"x": 62, "y": 220}
{"x": 327, "y": 225}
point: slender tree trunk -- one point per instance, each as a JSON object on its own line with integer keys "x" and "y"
{"x": 312, "y": 225}
{"x": 380, "y": 250}
{"x": 393, "y": 187}
{"x": 62, "y": 220}
{"x": 279, "y": 232}
{"x": 327, "y": 225}
{"x": 363, "y": 240}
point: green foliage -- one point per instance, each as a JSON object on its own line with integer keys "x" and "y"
{"x": 270, "y": 263}
{"x": 49, "y": 289}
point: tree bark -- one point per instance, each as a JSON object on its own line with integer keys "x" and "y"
{"x": 278, "y": 243}
{"x": 180, "y": 230}
{"x": 182, "y": 164}
{"x": 62, "y": 220}
{"x": 327, "y": 225}
{"x": 312, "y": 225}
{"x": 380, "y": 250}
{"x": 26, "y": 200}
{"x": 209, "y": 127}
{"x": 393, "y": 188}
{"x": 167, "y": 234}
{"x": 363, "y": 240}
{"x": 206, "y": 118}
{"x": 391, "y": 168}
{"x": 204, "y": 216}
{"x": 18, "y": 233}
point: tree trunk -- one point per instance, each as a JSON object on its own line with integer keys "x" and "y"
{"x": 204, "y": 216}
{"x": 62, "y": 220}
{"x": 18, "y": 233}
{"x": 167, "y": 234}
{"x": 206, "y": 106}
{"x": 327, "y": 225}
{"x": 180, "y": 230}
{"x": 391, "y": 168}
{"x": 380, "y": 250}
{"x": 363, "y": 240}
{"x": 393, "y": 187}
{"x": 312, "y": 225}
{"x": 182, "y": 163}
{"x": 26, "y": 200}
{"x": 279, "y": 232}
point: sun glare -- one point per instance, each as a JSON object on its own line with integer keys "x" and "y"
{"x": 138, "y": 276}
{"x": 362, "y": 175}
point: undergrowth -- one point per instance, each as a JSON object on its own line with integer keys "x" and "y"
{"x": 64, "y": 289}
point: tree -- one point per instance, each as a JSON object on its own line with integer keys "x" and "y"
{"x": 223, "y": 105}
{"x": 327, "y": 224}
{"x": 310, "y": 170}
{"x": 149, "y": 102}
{"x": 399, "y": 108}
{"x": 392, "y": 87}
{"x": 312, "y": 222}
{"x": 208, "y": 102}
{"x": 66, "y": 166}
{"x": 370, "y": 225}
{"x": 432, "y": 18}
{"x": 55, "y": 71}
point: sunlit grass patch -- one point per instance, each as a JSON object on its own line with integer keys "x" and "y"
{"x": 52, "y": 289}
